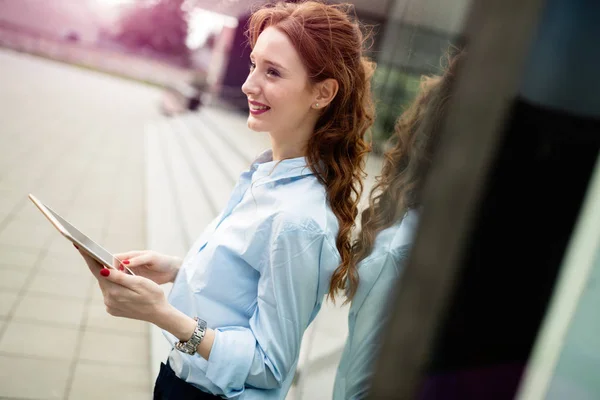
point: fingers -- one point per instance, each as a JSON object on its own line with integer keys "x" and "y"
{"x": 122, "y": 279}
{"x": 145, "y": 258}
{"x": 129, "y": 254}
{"x": 136, "y": 259}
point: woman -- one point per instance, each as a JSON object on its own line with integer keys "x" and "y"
{"x": 260, "y": 270}
{"x": 387, "y": 230}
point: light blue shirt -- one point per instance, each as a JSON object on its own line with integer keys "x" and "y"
{"x": 258, "y": 275}
{"x": 378, "y": 274}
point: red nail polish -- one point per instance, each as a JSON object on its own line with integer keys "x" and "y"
{"x": 105, "y": 272}
{"x": 75, "y": 246}
{"x": 121, "y": 268}
{"x": 126, "y": 262}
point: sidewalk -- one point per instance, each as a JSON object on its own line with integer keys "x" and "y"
{"x": 74, "y": 139}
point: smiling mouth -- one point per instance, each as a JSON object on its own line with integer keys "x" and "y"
{"x": 256, "y": 110}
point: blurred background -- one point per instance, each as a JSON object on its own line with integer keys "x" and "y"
{"x": 194, "y": 45}
{"x": 127, "y": 118}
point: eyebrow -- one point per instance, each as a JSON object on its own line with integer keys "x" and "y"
{"x": 272, "y": 63}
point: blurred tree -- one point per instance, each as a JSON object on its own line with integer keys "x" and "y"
{"x": 158, "y": 28}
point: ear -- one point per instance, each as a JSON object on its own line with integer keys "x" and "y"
{"x": 325, "y": 92}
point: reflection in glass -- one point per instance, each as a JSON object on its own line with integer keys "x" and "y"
{"x": 415, "y": 38}
{"x": 388, "y": 225}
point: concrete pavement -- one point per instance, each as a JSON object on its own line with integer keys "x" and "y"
{"x": 74, "y": 139}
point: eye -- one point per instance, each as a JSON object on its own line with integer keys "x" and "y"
{"x": 251, "y": 66}
{"x": 272, "y": 72}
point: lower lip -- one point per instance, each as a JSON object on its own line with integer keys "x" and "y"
{"x": 258, "y": 112}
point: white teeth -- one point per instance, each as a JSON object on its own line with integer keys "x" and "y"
{"x": 258, "y": 108}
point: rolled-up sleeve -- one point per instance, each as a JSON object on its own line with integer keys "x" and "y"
{"x": 263, "y": 354}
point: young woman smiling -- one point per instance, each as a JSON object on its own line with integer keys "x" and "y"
{"x": 255, "y": 279}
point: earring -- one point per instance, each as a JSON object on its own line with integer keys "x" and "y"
{"x": 317, "y": 105}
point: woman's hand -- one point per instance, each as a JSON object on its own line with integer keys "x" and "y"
{"x": 136, "y": 297}
{"x": 129, "y": 296}
{"x": 157, "y": 267}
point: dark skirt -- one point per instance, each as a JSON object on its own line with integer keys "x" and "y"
{"x": 169, "y": 387}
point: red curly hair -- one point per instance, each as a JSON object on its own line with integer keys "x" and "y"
{"x": 331, "y": 44}
{"x": 406, "y": 164}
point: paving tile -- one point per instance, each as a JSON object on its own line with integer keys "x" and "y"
{"x": 32, "y": 378}
{"x": 114, "y": 348}
{"x": 13, "y": 267}
{"x": 30, "y": 213}
{"x": 7, "y": 300}
{"x": 61, "y": 285}
{"x": 22, "y": 232}
{"x": 82, "y": 185}
{"x": 69, "y": 264}
{"x": 119, "y": 243}
{"x": 99, "y": 320}
{"x": 63, "y": 248}
{"x": 102, "y": 382}
{"x": 50, "y": 309}
{"x": 9, "y": 199}
{"x": 25, "y": 257}
{"x": 88, "y": 212}
{"x": 97, "y": 299}
{"x": 39, "y": 340}
{"x": 12, "y": 279}
{"x": 4, "y": 213}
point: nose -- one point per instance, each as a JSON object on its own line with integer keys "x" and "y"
{"x": 250, "y": 86}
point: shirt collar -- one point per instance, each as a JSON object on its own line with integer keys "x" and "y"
{"x": 266, "y": 170}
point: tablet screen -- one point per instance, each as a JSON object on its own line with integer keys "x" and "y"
{"x": 94, "y": 247}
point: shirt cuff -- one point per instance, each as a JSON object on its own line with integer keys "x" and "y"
{"x": 230, "y": 359}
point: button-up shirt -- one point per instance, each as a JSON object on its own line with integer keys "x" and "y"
{"x": 258, "y": 275}
{"x": 378, "y": 274}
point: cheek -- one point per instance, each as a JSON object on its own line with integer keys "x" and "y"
{"x": 280, "y": 96}
{"x": 292, "y": 99}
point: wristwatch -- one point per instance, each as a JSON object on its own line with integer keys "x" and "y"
{"x": 191, "y": 345}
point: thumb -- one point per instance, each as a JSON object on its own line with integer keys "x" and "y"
{"x": 139, "y": 260}
{"x": 121, "y": 278}
{"x": 129, "y": 254}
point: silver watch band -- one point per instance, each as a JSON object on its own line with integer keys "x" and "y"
{"x": 190, "y": 346}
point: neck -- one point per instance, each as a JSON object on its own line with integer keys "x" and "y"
{"x": 287, "y": 151}
{"x": 284, "y": 148}
{"x": 292, "y": 143}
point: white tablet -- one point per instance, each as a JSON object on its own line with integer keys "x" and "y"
{"x": 82, "y": 241}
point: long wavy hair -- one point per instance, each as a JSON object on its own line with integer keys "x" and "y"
{"x": 405, "y": 165}
{"x": 331, "y": 45}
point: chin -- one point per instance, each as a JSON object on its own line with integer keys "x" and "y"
{"x": 256, "y": 126}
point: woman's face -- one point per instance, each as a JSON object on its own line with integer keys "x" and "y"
{"x": 279, "y": 92}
